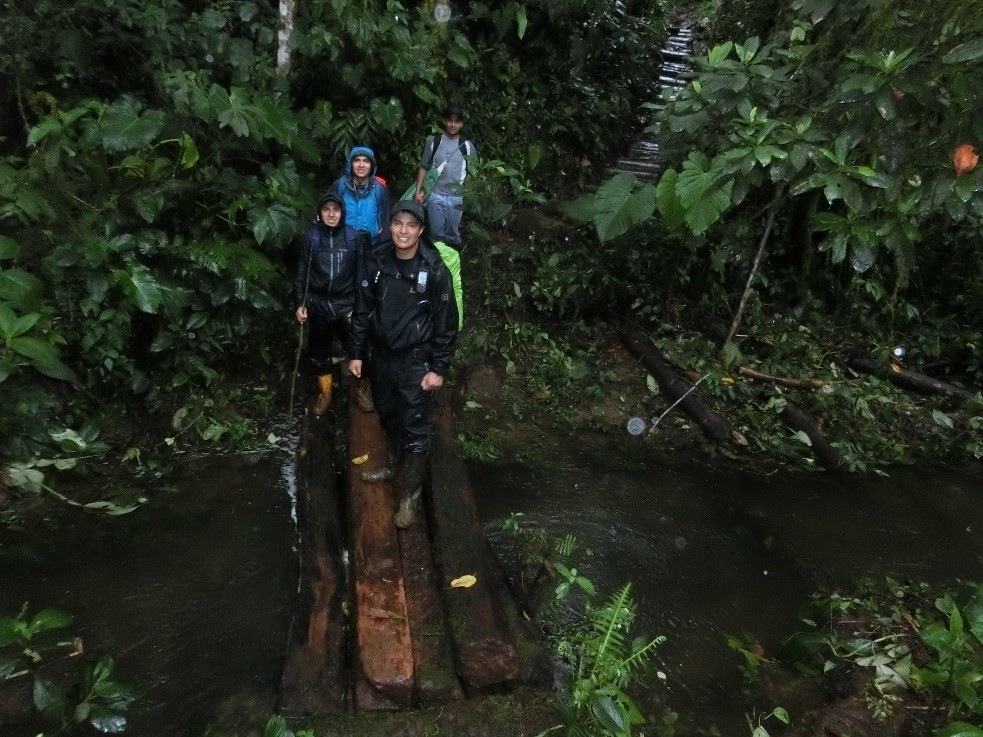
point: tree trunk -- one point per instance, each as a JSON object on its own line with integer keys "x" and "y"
{"x": 907, "y": 379}
{"x": 677, "y": 389}
{"x": 799, "y": 419}
{"x": 284, "y": 36}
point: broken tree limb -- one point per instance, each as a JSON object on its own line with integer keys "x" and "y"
{"x": 908, "y": 379}
{"x": 678, "y": 390}
{"x": 754, "y": 270}
{"x": 798, "y": 419}
{"x": 749, "y": 373}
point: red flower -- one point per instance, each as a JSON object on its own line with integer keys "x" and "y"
{"x": 964, "y": 159}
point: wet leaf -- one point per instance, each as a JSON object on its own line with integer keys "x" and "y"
{"x": 360, "y": 459}
{"x": 464, "y": 582}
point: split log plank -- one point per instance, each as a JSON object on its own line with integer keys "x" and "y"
{"x": 314, "y": 674}
{"x": 712, "y": 423}
{"x": 433, "y": 656}
{"x": 908, "y": 379}
{"x": 484, "y": 647}
{"x": 384, "y": 648}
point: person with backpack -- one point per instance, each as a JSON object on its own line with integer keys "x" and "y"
{"x": 405, "y": 325}
{"x": 445, "y": 151}
{"x": 365, "y": 195}
{"x": 325, "y": 279}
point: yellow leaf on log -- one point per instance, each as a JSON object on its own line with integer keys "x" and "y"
{"x": 360, "y": 460}
{"x": 895, "y": 368}
{"x": 464, "y": 582}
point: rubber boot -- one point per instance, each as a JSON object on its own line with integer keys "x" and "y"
{"x": 409, "y": 487}
{"x": 385, "y": 472}
{"x": 323, "y": 400}
{"x": 363, "y": 396}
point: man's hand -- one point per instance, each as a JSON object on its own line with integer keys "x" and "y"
{"x": 419, "y": 197}
{"x": 431, "y": 381}
{"x": 301, "y": 314}
{"x": 355, "y": 368}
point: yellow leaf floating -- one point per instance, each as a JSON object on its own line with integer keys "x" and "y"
{"x": 360, "y": 460}
{"x": 464, "y": 582}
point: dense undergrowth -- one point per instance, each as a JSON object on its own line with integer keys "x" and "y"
{"x": 149, "y": 199}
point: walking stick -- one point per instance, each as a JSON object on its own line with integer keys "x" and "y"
{"x": 300, "y": 343}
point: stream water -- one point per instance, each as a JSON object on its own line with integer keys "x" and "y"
{"x": 193, "y": 595}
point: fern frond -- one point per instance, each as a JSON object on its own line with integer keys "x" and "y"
{"x": 610, "y": 621}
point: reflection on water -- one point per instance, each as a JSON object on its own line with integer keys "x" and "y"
{"x": 191, "y": 595}
{"x": 715, "y": 553}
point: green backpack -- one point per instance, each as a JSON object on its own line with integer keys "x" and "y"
{"x": 452, "y": 260}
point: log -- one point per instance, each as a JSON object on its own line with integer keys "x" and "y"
{"x": 384, "y": 650}
{"x": 908, "y": 379}
{"x": 433, "y": 656}
{"x": 749, "y": 373}
{"x": 713, "y": 424}
{"x": 484, "y": 648}
{"x": 314, "y": 674}
{"x": 799, "y": 419}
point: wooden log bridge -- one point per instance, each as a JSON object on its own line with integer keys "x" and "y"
{"x": 382, "y": 619}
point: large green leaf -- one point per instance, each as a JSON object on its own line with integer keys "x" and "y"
{"x": 235, "y": 109}
{"x": 9, "y": 248}
{"x": 122, "y": 127}
{"x": 960, "y": 729}
{"x": 702, "y": 192}
{"x": 50, "y": 619}
{"x": 670, "y": 207}
{"x": 387, "y": 113}
{"x": 969, "y": 51}
{"x": 44, "y": 357}
{"x": 607, "y": 713}
{"x": 276, "y": 223}
{"x": 617, "y": 208}
{"x": 140, "y": 286}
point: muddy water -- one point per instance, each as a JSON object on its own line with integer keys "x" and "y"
{"x": 192, "y": 595}
{"x": 713, "y": 554}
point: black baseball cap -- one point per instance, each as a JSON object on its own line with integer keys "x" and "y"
{"x": 410, "y": 206}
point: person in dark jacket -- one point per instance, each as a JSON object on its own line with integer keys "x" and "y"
{"x": 324, "y": 288}
{"x": 405, "y": 325}
{"x": 366, "y": 197}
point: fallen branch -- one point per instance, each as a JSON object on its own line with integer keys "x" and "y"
{"x": 749, "y": 373}
{"x": 908, "y": 379}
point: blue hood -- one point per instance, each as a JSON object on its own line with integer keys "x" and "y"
{"x": 363, "y": 151}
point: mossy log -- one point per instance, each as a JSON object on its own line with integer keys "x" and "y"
{"x": 314, "y": 673}
{"x": 677, "y": 389}
{"x": 908, "y": 379}
{"x": 484, "y": 647}
{"x": 384, "y": 650}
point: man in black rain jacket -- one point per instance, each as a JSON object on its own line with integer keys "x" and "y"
{"x": 405, "y": 324}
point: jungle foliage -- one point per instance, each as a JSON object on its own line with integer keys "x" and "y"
{"x": 840, "y": 144}
{"x": 154, "y": 169}
{"x": 906, "y": 658}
